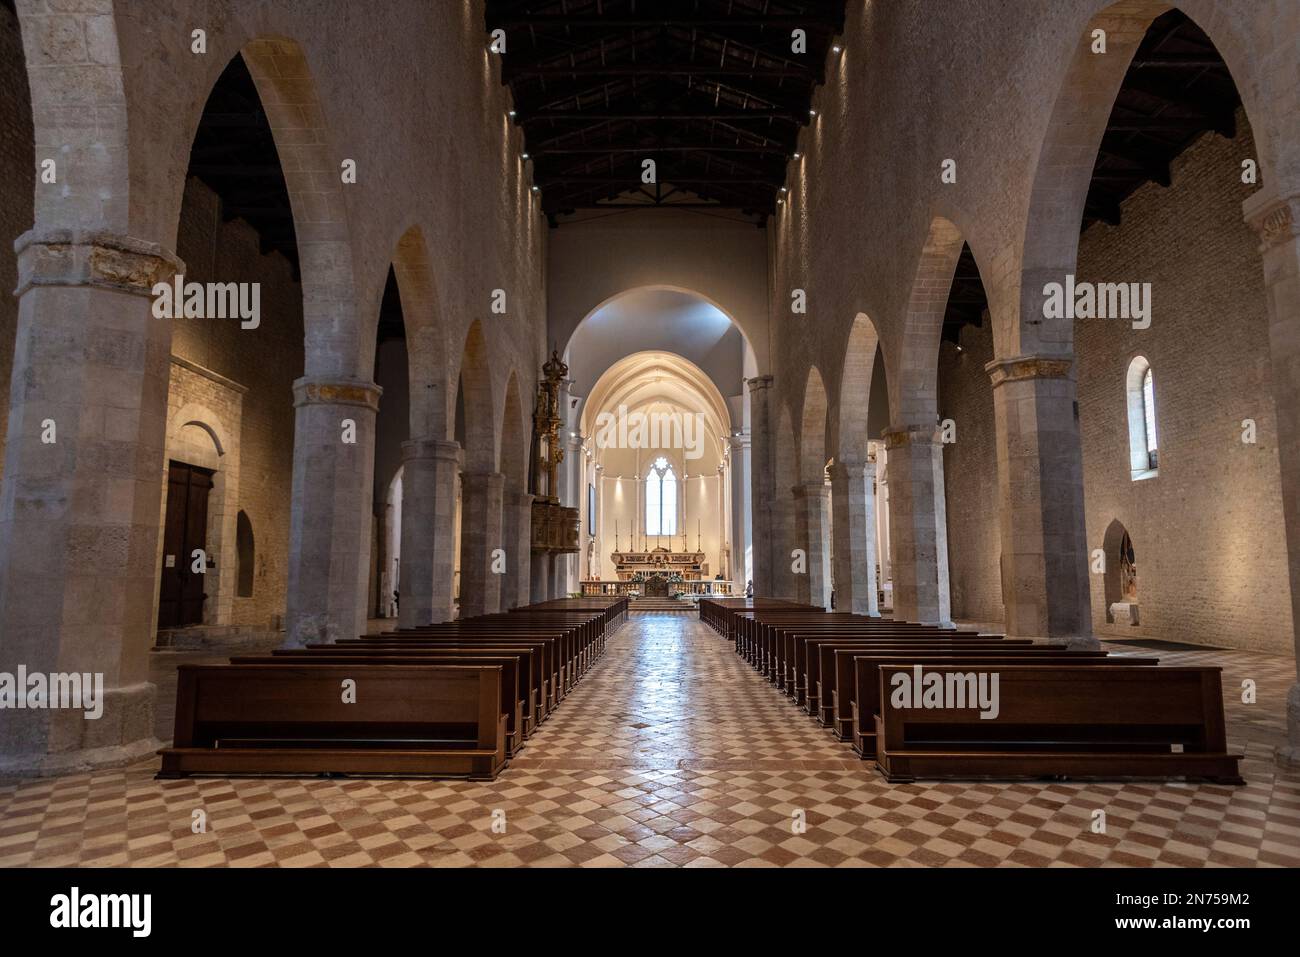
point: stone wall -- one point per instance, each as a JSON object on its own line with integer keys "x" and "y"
{"x": 1209, "y": 544}
{"x": 17, "y": 176}
{"x": 1208, "y": 539}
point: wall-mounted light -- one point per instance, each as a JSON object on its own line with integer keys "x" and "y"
{"x": 526, "y": 156}
{"x": 837, "y": 48}
{"x": 537, "y": 189}
{"x": 511, "y": 114}
{"x": 812, "y": 112}
{"x": 797, "y": 156}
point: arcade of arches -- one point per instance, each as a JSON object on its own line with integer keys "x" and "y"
{"x": 813, "y": 359}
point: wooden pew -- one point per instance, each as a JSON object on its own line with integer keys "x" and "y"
{"x": 856, "y": 702}
{"x": 820, "y": 676}
{"x": 790, "y": 663}
{"x": 517, "y": 700}
{"x": 540, "y": 646}
{"x": 1106, "y": 721}
{"x": 280, "y": 719}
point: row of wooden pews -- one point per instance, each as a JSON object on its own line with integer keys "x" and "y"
{"x": 926, "y": 702}
{"x": 450, "y": 700}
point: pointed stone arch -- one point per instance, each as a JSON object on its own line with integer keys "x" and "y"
{"x": 426, "y": 336}
{"x": 1063, "y": 173}
{"x": 480, "y": 407}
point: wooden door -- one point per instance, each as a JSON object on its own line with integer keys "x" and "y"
{"x": 181, "y": 597}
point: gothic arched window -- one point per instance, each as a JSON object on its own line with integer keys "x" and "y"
{"x": 661, "y": 499}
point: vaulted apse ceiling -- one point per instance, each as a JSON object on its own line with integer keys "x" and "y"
{"x": 649, "y": 320}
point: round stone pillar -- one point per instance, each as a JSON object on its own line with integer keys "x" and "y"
{"x": 918, "y": 525}
{"x": 482, "y": 554}
{"x": 1277, "y": 221}
{"x": 429, "y": 470}
{"x": 517, "y": 532}
{"x": 854, "y": 518}
{"x": 1040, "y": 486}
{"x": 329, "y": 520}
{"x": 82, "y": 494}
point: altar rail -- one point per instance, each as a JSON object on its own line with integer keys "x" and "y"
{"x": 612, "y": 588}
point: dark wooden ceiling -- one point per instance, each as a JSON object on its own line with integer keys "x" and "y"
{"x": 708, "y": 89}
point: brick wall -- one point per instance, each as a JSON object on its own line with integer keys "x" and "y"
{"x": 266, "y": 361}
{"x": 1209, "y": 546}
{"x": 17, "y": 181}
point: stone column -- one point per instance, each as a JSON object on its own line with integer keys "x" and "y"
{"x": 918, "y": 526}
{"x": 517, "y": 532}
{"x": 1277, "y": 221}
{"x": 329, "y": 520}
{"x": 854, "y": 515}
{"x": 480, "y": 537}
{"x": 763, "y": 488}
{"x": 884, "y": 549}
{"x": 428, "y": 531}
{"x": 539, "y": 571}
{"x": 812, "y": 506}
{"x": 740, "y": 541}
{"x": 559, "y": 565}
{"x": 81, "y": 496}
{"x": 1040, "y": 487}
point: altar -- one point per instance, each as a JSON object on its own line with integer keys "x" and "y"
{"x": 691, "y": 566}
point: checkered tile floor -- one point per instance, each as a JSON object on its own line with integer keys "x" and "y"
{"x": 673, "y": 753}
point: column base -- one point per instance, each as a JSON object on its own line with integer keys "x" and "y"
{"x": 1287, "y": 756}
{"x": 123, "y": 735}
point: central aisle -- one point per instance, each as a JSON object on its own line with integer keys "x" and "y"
{"x": 670, "y": 693}
{"x": 671, "y": 752}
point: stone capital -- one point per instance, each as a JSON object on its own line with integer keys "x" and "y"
{"x": 318, "y": 391}
{"x": 418, "y": 449}
{"x": 1021, "y": 368}
{"x": 520, "y": 500}
{"x": 759, "y": 382}
{"x": 1275, "y": 219}
{"x": 72, "y": 257}
{"x": 852, "y": 467}
{"x": 812, "y": 490}
{"x": 911, "y": 435}
{"x": 486, "y": 480}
